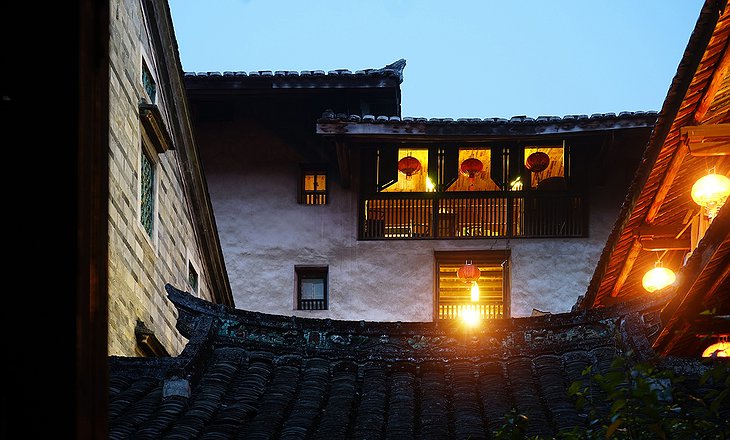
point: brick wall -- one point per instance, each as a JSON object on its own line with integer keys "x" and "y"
{"x": 139, "y": 266}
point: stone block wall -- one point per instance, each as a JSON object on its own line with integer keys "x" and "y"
{"x": 140, "y": 265}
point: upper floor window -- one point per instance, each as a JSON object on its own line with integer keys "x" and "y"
{"x": 311, "y": 287}
{"x": 147, "y": 193}
{"x": 480, "y": 291}
{"x": 313, "y": 186}
{"x": 148, "y": 82}
{"x": 192, "y": 277}
{"x": 511, "y": 190}
{"x": 412, "y": 174}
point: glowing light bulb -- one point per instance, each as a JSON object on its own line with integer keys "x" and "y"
{"x": 470, "y": 316}
{"x": 658, "y": 278}
{"x": 711, "y": 192}
{"x": 474, "y": 291}
{"x": 718, "y": 349}
{"x": 429, "y": 185}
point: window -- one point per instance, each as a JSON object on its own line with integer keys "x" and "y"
{"x": 456, "y": 298}
{"x": 470, "y": 191}
{"x": 311, "y": 287}
{"x": 313, "y": 186}
{"x": 148, "y": 82}
{"x": 192, "y": 277}
{"x": 147, "y": 193}
{"x": 412, "y": 172}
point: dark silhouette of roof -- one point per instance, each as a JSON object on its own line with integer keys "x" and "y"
{"x": 252, "y": 375}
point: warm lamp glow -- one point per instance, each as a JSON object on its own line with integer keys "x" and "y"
{"x": 658, "y": 278}
{"x": 711, "y": 192}
{"x": 474, "y": 292}
{"x": 718, "y": 349}
{"x": 429, "y": 185}
{"x": 470, "y": 316}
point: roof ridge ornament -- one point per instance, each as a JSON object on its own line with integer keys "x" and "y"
{"x": 395, "y": 67}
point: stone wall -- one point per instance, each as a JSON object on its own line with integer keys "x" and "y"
{"x": 139, "y": 265}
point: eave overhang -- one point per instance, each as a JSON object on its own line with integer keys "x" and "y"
{"x": 659, "y": 194}
{"x": 372, "y": 128}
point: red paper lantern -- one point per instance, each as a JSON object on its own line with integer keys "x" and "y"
{"x": 470, "y": 167}
{"x": 408, "y": 166}
{"x": 468, "y": 273}
{"x": 537, "y": 161}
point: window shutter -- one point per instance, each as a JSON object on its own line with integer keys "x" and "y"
{"x": 387, "y": 167}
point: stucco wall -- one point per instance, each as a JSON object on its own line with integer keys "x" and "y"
{"x": 252, "y": 178}
{"x": 139, "y": 266}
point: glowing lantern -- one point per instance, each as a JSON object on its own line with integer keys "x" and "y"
{"x": 469, "y": 273}
{"x": 537, "y": 161}
{"x": 711, "y": 192}
{"x": 658, "y": 278}
{"x": 471, "y": 167}
{"x": 718, "y": 349}
{"x": 409, "y": 165}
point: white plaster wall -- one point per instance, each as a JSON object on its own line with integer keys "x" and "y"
{"x": 265, "y": 233}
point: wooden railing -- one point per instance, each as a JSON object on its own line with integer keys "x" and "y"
{"x": 312, "y": 304}
{"x": 481, "y": 310}
{"x": 472, "y": 215}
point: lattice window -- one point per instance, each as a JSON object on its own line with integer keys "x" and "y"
{"x": 484, "y": 298}
{"x": 147, "y": 194}
{"x": 192, "y": 277}
{"x": 149, "y": 83}
{"x": 313, "y": 187}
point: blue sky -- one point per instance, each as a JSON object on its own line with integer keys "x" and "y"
{"x": 464, "y": 59}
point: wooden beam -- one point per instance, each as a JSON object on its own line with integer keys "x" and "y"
{"x": 707, "y": 140}
{"x": 665, "y": 244}
{"x": 633, "y": 254}
{"x": 717, "y": 76}
{"x": 672, "y": 170}
{"x": 651, "y": 231}
{"x": 343, "y": 162}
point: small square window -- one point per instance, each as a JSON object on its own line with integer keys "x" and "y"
{"x": 313, "y": 187}
{"x": 192, "y": 277}
{"x": 311, "y": 288}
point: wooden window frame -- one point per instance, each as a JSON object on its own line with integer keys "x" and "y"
{"x": 316, "y": 170}
{"x": 312, "y": 272}
{"x": 479, "y": 257}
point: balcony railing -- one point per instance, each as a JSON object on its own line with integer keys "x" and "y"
{"x": 312, "y": 304}
{"x": 482, "y": 310}
{"x": 473, "y": 215}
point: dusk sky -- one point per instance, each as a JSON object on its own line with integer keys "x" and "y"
{"x": 464, "y": 59}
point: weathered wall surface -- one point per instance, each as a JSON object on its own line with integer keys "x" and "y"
{"x": 252, "y": 178}
{"x": 139, "y": 266}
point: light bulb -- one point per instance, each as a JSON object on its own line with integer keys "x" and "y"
{"x": 474, "y": 291}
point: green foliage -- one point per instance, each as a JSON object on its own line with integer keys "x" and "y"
{"x": 642, "y": 402}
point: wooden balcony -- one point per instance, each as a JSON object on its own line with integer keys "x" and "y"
{"x": 461, "y": 215}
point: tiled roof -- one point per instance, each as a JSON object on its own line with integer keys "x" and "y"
{"x": 340, "y": 123}
{"x": 393, "y": 70}
{"x": 706, "y": 47}
{"x": 251, "y": 375}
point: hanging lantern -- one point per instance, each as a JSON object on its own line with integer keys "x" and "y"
{"x": 409, "y": 165}
{"x": 471, "y": 167}
{"x": 468, "y": 273}
{"x": 711, "y": 192}
{"x": 537, "y": 161}
{"x": 658, "y": 278}
{"x": 718, "y": 349}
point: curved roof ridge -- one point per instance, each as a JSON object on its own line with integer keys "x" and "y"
{"x": 501, "y": 338}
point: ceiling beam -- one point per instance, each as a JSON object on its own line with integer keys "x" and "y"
{"x": 711, "y": 90}
{"x": 633, "y": 254}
